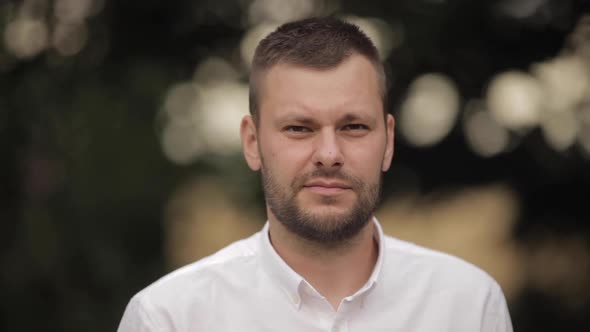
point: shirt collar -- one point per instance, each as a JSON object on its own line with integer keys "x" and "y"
{"x": 374, "y": 278}
{"x": 288, "y": 280}
{"x": 291, "y": 282}
{"x": 378, "y": 236}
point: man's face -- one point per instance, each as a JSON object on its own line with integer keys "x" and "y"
{"x": 321, "y": 145}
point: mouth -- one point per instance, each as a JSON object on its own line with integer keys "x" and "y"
{"x": 327, "y": 187}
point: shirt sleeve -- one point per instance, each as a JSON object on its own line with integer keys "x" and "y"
{"x": 503, "y": 321}
{"x": 137, "y": 317}
{"x": 497, "y": 316}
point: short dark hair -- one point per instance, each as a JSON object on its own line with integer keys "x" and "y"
{"x": 320, "y": 42}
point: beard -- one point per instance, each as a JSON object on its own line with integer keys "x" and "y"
{"x": 325, "y": 229}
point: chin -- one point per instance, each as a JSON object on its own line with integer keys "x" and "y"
{"x": 335, "y": 203}
{"x": 331, "y": 213}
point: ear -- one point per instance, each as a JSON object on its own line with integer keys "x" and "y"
{"x": 389, "y": 147}
{"x": 249, "y": 135}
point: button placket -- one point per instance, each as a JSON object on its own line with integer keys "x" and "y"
{"x": 340, "y": 325}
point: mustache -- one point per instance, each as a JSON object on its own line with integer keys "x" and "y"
{"x": 336, "y": 174}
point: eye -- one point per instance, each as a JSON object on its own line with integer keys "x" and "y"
{"x": 296, "y": 129}
{"x": 355, "y": 126}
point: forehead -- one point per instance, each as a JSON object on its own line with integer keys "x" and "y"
{"x": 353, "y": 85}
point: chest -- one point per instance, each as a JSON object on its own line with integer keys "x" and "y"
{"x": 275, "y": 312}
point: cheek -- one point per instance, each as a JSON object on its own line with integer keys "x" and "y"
{"x": 364, "y": 171}
{"x": 366, "y": 161}
{"x": 285, "y": 160}
{"x": 288, "y": 154}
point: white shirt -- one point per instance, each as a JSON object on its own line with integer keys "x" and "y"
{"x": 248, "y": 287}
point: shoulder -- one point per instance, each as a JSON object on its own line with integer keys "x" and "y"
{"x": 183, "y": 291}
{"x": 436, "y": 267}
{"x": 442, "y": 285}
{"x": 226, "y": 262}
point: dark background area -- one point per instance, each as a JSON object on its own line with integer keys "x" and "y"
{"x": 84, "y": 182}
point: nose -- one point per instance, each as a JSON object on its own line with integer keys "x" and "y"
{"x": 327, "y": 153}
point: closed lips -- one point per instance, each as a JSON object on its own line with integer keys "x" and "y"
{"x": 327, "y": 184}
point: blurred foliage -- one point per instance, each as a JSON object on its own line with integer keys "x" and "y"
{"x": 84, "y": 183}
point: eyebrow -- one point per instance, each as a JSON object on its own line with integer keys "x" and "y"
{"x": 354, "y": 117}
{"x": 293, "y": 119}
{"x": 349, "y": 117}
{"x": 307, "y": 120}
{"x": 299, "y": 119}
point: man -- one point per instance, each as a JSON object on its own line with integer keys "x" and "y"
{"x": 321, "y": 137}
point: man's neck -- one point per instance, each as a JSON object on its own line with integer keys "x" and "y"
{"x": 334, "y": 271}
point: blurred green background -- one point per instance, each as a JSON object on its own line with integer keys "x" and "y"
{"x": 120, "y": 156}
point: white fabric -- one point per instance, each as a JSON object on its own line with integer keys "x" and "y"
{"x": 248, "y": 287}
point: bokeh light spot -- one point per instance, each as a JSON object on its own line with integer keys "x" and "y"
{"x": 380, "y": 32}
{"x": 251, "y": 40}
{"x": 484, "y": 135}
{"x": 280, "y": 11}
{"x": 219, "y": 111}
{"x": 73, "y": 11}
{"x": 178, "y": 101}
{"x": 69, "y": 39}
{"x": 560, "y": 130}
{"x": 215, "y": 69}
{"x": 181, "y": 142}
{"x": 515, "y": 99}
{"x": 565, "y": 81}
{"x": 430, "y": 110}
{"x": 26, "y": 37}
